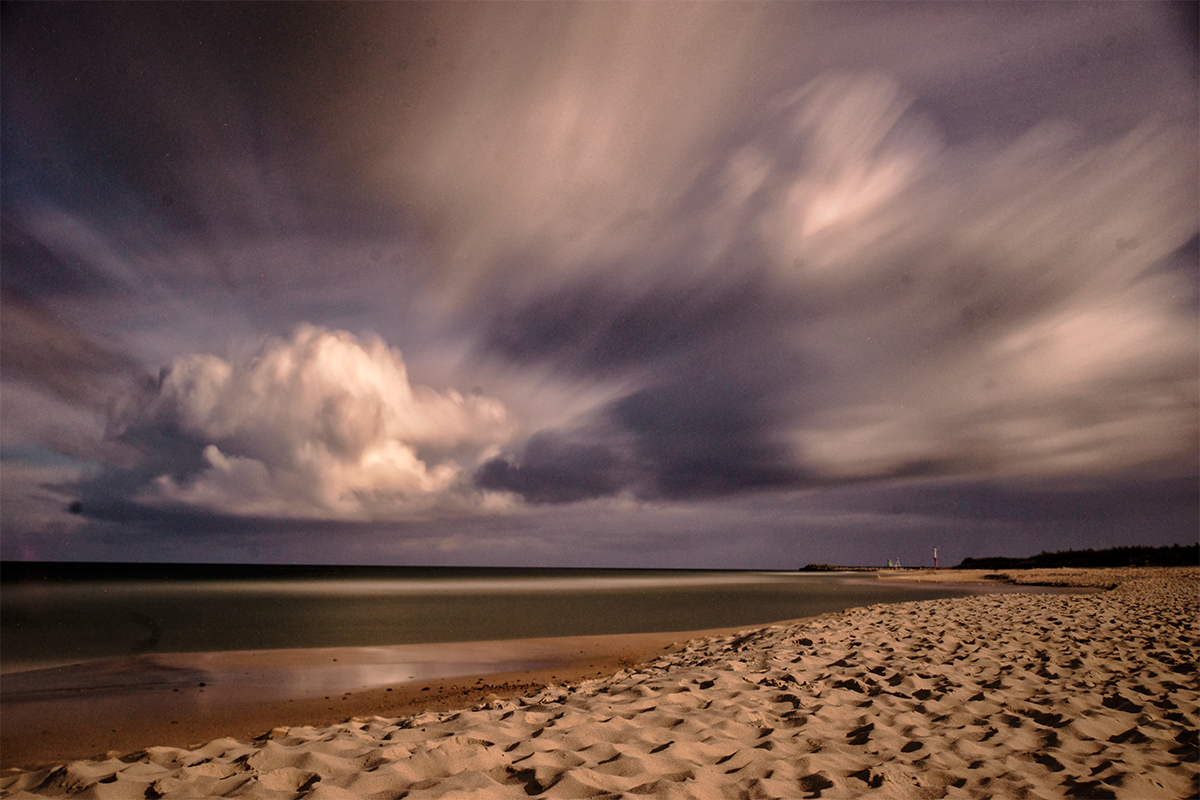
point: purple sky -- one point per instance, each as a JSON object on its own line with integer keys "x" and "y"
{"x": 598, "y": 284}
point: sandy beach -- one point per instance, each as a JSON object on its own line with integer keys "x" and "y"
{"x": 1006, "y": 695}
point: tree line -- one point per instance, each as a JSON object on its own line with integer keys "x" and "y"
{"x": 1166, "y": 556}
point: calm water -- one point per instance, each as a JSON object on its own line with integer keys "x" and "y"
{"x": 60, "y": 621}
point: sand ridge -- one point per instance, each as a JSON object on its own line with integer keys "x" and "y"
{"x": 1012, "y": 695}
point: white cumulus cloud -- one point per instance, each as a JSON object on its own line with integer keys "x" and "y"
{"x": 322, "y": 425}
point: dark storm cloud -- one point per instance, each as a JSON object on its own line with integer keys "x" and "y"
{"x": 715, "y": 383}
{"x": 707, "y": 434}
{"x": 596, "y": 328}
{"x": 695, "y": 435}
{"x": 553, "y": 469}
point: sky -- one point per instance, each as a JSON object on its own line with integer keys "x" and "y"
{"x": 650, "y": 284}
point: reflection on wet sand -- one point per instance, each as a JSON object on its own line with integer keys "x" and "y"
{"x": 124, "y": 703}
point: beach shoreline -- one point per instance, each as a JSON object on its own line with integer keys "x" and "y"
{"x": 118, "y": 705}
{"x": 1005, "y": 694}
{"x": 181, "y": 699}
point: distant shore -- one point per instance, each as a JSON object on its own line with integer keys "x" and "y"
{"x": 990, "y": 695}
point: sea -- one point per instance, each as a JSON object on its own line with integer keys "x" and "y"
{"x": 55, "y": 614}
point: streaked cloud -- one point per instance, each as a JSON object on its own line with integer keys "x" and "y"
{"x": 699, "y": 254}
{"x": 898, "y": 307}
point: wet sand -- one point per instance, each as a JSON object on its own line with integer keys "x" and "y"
{"x": 181, "y": 699}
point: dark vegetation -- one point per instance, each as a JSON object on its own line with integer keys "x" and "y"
{"x": 834, "y": 568}
{"x": 1167, "y": 556}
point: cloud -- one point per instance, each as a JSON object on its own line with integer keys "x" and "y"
{"x": 553, "y": 469}
{"x": 697, "y": 249}
{"x": 702, "y": 385}
{"x": 40, "y": 349}
{"x": 674, "y": 440}
{"x": 706, "y": 429}
{"x": 596, "y": 327}
{"x": 889, "y": 306}
{"x": 1010, "y": 309}
{"x": 534, "y": 141}
{"x": 865, "y": 523}
{"x": 320, "y": 425}
{"x": 707, "y": 435}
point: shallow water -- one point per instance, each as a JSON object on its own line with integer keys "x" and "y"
{"x": 49, "y": 622}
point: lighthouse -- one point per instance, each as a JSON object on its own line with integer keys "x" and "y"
{"x": 935, "y": 558}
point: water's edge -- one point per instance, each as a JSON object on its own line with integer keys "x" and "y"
{"x": 49, "y": 616}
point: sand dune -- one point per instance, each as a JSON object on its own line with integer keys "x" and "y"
{"x": 1009, "y": 695}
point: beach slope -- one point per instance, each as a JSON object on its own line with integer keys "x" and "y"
{"x": 1013, "y": 695}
